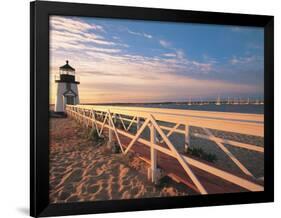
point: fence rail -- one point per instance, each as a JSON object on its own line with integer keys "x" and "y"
{"x": 102, "y": 117}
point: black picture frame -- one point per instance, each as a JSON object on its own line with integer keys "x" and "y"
{"x": 39, "y": 107}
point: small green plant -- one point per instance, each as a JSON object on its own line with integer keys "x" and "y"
{"x": 199, "y": 152}
{"x": 93, "y": 135}
{"x": 118, "y": 124}
{"x": 115, "y": 148}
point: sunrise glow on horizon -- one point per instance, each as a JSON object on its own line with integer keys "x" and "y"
{"x": 147, "y": 61}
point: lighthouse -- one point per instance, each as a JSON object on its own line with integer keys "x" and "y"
{"x": 67, "y": 88}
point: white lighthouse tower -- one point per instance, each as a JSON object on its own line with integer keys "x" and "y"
{"x": 67, "y": 88}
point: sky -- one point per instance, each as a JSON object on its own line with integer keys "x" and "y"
{"x": 149, "y": 61}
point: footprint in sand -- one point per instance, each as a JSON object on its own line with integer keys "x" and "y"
{"x": 98, "y": 172}
{"x": 71, "y": 177}
{"x": 94, "y": 189}
{"x": 125, "y": 182}
{"x": 135, "y": 191}
{"x": 73, "y": 198}
{"x": 126, "y": 195}
{"x": 64, "y": 195}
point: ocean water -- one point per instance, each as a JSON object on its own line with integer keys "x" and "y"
{"x": 234, "y": 108}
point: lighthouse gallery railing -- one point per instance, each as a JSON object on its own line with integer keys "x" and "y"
{"x": 105, "y": 117}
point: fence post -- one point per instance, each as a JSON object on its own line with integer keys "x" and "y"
{"x": 186, "y": 137}
{"x": 93, "y": 119}
{"x": 110, "y": 138}
{"x": 83, "y": 118}
{"x": 153, "y": 155}
{"x": 78, "y": 115}
{"x": 138, "y": 123}
{"x": 114, "y": 118}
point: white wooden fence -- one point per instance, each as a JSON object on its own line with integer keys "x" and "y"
{"x": 105, "y": 116}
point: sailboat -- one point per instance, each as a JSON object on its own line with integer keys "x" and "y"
{"x": 234, "y": 101}
{"x": 228, "y": 100}
{"x": 189, "y": 103}
{"x": 257, "y": 102}
{"x": 218, "y": 101}
{"x": 240, "y": 100}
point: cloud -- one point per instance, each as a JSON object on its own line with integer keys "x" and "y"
{"x": 169, "y": 55}
{"x": 253, "y": 45}
{"x": 235, "y": 60}
{"x": 239, "y": 29}
{"x": 82, "y": 37}
{"x": 236, "y": 29}
{"x": 179, "y": 53}
{"x": 165, "y": 43}
{"x": 72, "y": 24}
{"x": 146, "y": 35}
{"x": 209, "y": 59}
{"x": 244, "y": 60}
{"x": 74, "y": 34}
{"x": 106, "y": 50}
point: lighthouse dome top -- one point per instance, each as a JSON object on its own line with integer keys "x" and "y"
{"x": 67, "y": 68}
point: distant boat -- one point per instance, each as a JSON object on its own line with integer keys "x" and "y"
{"x": 189, "y": 103}
{"x": 246, "y": 101}
{"x": 240, "y": 101}
{"x": 235, "y": 102}
{"x": 228, "y": 100}
{"x": 257, "y": 101}
{"x": 201, "y": 102}
{"x": 218, "y": 101}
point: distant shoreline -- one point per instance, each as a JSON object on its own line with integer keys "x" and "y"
{"x": 223, "y": 107}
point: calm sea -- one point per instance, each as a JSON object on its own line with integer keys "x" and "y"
{"x": 238, "y": 108}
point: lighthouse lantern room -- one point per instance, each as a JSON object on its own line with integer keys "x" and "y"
{"x": 67, "y": 88}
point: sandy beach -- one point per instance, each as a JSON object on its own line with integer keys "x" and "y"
{"x": 82, "y": 170}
